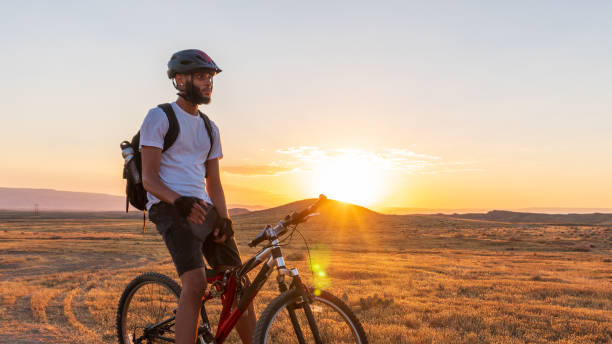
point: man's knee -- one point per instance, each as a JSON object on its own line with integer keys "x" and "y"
{"x": 194, "y": 281}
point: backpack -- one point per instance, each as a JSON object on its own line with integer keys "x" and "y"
{"x": 135, "y": 193}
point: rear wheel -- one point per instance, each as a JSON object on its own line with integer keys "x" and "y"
{"x": 286, "y": 320}
{"x": 146, "y": 309}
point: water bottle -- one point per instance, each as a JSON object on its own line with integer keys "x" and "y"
{"x": 130, "y": 165}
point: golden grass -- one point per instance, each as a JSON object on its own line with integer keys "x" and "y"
{"x": 39, "y": 302}
{"x": 409, "y": 279}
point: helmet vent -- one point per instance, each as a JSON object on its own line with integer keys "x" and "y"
{"x": 190, "y": 60}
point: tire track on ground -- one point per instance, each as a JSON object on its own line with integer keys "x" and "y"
{"x": 69, "y": 306}
{"x": 54, "y": 311}
{"x": 72, "y": 319}
{"x": 21, "y": 309}
{"x": 79, "y": 303}
{"x": 39, "y": 302}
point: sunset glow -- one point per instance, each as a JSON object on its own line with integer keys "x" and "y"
{"x": 415, "y": 110}
{"x": 349, "y": 178}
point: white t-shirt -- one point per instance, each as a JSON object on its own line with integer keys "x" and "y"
{"x": 182, "y": 166}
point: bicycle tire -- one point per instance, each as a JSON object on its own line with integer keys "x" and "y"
{"x": 131, "y": 302}
{"x": 274, "y": 325}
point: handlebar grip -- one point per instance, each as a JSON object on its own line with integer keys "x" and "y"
{"x": 296, "y": 218}
{"x": 259, "y": 238}
{"x": 256, "y": 242}
{"x": 302, "y": 214}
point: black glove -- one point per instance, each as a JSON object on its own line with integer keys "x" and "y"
{"x": 184, "y": 204}
{"x": 225, "y": 227}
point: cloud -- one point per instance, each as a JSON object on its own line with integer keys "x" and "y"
{"x": 390, "y": 159}
{"x": 308, "y": 158}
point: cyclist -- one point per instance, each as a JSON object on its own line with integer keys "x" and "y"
{"x": 180, "y": 184}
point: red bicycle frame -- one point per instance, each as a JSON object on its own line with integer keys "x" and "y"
{"x": 227, "y": 319}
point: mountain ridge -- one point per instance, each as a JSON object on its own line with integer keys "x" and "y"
{"x": 48, "y": 199}
{"x": 523, "y": 217}
{"x": 25, "y": 199}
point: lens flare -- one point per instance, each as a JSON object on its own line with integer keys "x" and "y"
{"x": 319, "y": 262}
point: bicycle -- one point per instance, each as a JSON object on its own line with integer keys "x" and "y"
{"x": 147, "y": 306}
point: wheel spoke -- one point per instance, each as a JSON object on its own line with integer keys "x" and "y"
{"x": 145, "y": 311}
{"x": 312, "y": 323}
{"x": 330, "y": 322}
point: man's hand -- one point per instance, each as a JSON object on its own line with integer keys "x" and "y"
{"x": 223, "y": 230}
{"x": 191, "y": 208}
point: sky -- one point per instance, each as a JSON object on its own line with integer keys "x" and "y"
{"x": 439, "y": 104}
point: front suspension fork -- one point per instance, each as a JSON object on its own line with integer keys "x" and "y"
{"x": 307, "y": 298}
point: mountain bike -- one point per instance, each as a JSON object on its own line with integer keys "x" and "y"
{"x": 300, "y": 314}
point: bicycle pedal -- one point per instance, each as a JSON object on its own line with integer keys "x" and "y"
{"x": 202, "y": 341}
{"x": 205, "y": 336}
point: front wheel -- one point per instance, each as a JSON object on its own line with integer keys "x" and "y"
{"x": 146, "y": 310}
{"x": 287, "y": 320}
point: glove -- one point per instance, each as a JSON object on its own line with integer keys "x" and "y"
{"x": 184, "y": 204}
{"x": 225, "y": 227}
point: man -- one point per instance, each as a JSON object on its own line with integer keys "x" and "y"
{"x": 181, "y": 182}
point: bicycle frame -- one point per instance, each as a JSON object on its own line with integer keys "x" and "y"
{"x": 273, "y": 258}
{"x": 229, "y": 285}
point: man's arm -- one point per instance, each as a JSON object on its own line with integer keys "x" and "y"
{"x": 151, "y": 160}
{"x": 214, "y": 188}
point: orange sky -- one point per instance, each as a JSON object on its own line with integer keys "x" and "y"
{"x": 476, "y": 105}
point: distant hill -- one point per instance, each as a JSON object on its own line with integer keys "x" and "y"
{"x": 451, "y": 211}
{"x": 518, "y": 217}
{"x": 564, "y": 210}
{"x": 330, "y": 204}
{"x": 331, "y": 211}
{"x": 425, "y": 211}
{"x": 238, "y": 211}
{"x": 26, "y": 199}
{"x": 49, "y": 199}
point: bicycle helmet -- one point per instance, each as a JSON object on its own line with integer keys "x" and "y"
{"x": 189, "y": 61}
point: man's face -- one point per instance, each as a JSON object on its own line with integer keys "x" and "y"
{"x": 202, "y": 82}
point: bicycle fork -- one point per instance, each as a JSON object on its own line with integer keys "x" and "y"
{"x": 305, "y": 305}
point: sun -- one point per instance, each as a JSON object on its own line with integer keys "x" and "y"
{"x": 349, "y": 177}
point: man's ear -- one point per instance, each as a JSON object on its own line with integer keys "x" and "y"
{"x": 180, "y": 80}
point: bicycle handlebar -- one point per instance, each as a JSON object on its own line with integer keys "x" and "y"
{"x": 292, "y": 219}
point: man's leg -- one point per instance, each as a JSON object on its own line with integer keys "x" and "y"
{"x": 186, "y": 252}
{"x": 190, "y": 302}
{"x": 246, "y": 325}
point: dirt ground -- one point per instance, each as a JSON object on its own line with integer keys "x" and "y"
{"x": 410, "y": 279}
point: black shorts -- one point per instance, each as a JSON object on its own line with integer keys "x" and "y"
{"x": 185, "y": 248}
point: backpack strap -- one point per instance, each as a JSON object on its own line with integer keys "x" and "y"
{"x": 173, "y": 128}
{"x": 210, "y": 135}
{"x": 208, "y": 130}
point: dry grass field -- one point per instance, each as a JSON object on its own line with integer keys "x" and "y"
{"x": 410, "y": 279}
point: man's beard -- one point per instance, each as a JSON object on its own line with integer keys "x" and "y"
{"x": 193, "y": 94}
